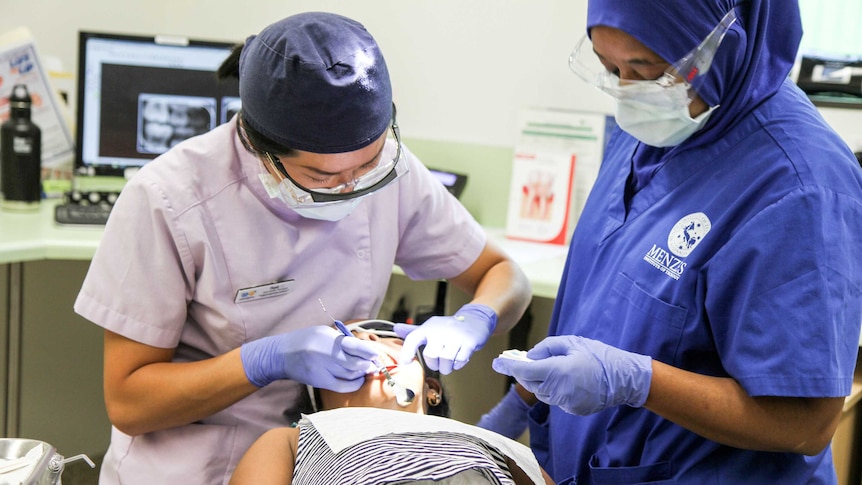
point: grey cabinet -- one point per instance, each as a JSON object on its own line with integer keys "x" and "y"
{"x": 52, "y": 359}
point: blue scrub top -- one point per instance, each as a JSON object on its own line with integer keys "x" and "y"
{"x": 739, "y": 258}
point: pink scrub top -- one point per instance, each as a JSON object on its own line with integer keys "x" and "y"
{"x": 196, "y": 256}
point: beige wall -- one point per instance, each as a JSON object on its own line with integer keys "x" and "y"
{"x": 461, "y": 71}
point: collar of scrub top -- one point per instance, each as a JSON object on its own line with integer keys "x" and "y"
{"x": 378, "y": 177}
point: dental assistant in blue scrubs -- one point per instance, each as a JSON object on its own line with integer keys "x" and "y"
{"x": 707, "y": 324}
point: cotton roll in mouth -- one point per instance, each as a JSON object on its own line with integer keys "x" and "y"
{"x": 404, "y": 396}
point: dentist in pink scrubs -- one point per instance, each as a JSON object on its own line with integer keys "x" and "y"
{"x": 208, "y": 278}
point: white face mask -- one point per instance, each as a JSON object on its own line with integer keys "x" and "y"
{"x": 326, "y": 211}
{"x": 655, "y": 115}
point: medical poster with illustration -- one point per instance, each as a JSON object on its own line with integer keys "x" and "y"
{"x": 556, "y": 162}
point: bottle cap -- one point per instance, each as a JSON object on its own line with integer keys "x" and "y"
{"x": 20, "y": 97}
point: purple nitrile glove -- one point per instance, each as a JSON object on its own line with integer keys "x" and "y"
{"x": 449, "y": 341}
{"x": 319, "y": 356}
{"x": 580, "y": 375}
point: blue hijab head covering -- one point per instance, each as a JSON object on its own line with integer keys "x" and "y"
{"x": 751, "y": 64}
{"x": 315, "y": 82}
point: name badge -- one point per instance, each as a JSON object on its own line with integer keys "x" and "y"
{"x": 260, "y": 292}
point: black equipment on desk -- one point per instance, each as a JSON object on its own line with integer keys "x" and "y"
{"x": 834, "y": 75}
{"x": 454, "y": 182}
{"x": 85, "y": 208}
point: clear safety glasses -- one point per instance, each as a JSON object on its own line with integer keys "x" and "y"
{"x": 376, "y": 178}
{"x": 584, "y": 62}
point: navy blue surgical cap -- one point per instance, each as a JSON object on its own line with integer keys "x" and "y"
{"x": 315, "y": 82}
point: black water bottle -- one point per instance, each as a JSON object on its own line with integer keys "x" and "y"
{"x": 20, "y": 154}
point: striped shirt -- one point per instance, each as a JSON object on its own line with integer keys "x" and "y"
{"x": 397, "y": 458}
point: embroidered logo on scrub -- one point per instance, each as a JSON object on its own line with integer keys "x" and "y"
{"x": 683, "y": 238}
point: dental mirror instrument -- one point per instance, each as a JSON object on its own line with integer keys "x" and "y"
{"x": 403, "y": 395}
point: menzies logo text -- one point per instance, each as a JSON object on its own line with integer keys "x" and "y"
{"x": 663, "y": 260}
{"x": 683, "y": 238}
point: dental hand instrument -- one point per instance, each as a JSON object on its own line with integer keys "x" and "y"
{"x": 403, "y": 395}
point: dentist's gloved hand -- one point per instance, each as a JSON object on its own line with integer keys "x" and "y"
{"x": 320, "y": 356}
{"x": 449, "y": 341}
{"x": 580, "y": 375}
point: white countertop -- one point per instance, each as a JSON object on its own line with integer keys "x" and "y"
{"x": 30, "y": 236}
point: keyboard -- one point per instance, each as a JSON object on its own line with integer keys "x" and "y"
{"x": 78, "y": 214}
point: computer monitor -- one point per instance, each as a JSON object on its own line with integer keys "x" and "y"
{"x": 140, "y": 95}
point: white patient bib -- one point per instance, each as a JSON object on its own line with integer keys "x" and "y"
{"x": 345, "y": 427}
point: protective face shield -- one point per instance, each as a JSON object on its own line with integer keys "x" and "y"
{"x": 654, "y": 111}
{"x": 334, "y": 203}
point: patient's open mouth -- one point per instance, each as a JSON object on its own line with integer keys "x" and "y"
{"x": 392, "y": 369}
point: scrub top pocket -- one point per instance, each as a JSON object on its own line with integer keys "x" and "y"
{"x": 657, "y": 473}
{"x": 637, "y": 321}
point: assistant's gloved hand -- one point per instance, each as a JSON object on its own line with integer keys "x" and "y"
{"x": 509, "y": 417}
{"x": 580, "y": 375}
{"x": 320, "y": 356}
{"x": 449, "y": 341}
